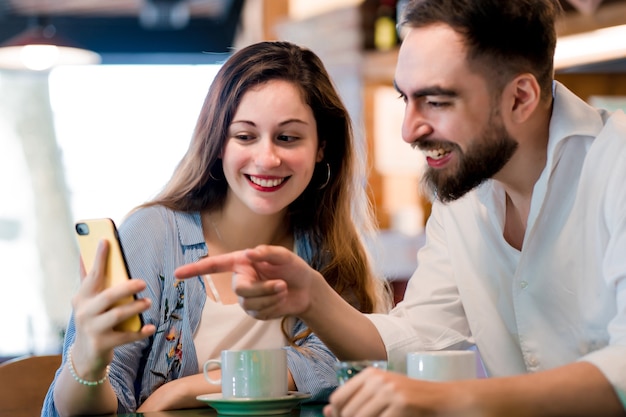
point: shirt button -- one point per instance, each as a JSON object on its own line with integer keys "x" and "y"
{"x": 532, "y": 362}
{"x": 523, "y": 284}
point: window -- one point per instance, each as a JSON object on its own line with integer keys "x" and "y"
{"x": 120, "y": 131}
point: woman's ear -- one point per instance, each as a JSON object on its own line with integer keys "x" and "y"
{"x": 320, "y": 152}
{"x": 525, "y": 95}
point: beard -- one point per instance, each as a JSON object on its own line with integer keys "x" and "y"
{"x": 482, "y": 161}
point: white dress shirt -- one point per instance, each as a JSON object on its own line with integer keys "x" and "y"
{"x": 562, "y": 298}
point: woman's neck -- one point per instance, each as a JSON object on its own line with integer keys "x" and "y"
{"x": 227, "y": 231}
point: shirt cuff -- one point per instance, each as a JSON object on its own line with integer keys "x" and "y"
{"x": 611, "y": 361}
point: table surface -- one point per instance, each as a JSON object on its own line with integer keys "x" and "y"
{"x": 301, "y": 411}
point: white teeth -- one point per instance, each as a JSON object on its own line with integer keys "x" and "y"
{"x": 435, "y": 153}
{"x": 267, "y": 183}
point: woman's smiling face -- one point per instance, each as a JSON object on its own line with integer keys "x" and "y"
{"x": 271, "y": 149}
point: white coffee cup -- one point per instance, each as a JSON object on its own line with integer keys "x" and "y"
{"x": 442, "y": 365}
{"x": 258, "y": 373}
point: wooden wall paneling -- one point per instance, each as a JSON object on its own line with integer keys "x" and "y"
{"x": 375, "y": 179}
{"x": 586, "y": 85}
{"x": 274, "y": 11}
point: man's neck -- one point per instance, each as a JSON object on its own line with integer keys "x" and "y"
{"x": 516, "y": 219}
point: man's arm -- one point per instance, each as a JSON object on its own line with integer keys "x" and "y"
{"x": 344, "y": 329}
{"x": 577, "y": 389}
{"x": 273, "y": 282}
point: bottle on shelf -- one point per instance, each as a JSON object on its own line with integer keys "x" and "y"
{"x": 385, "y": 32}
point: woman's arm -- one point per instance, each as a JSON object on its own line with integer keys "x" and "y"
{"x": 90, "y": 340}
{"x": 311, "y": 366}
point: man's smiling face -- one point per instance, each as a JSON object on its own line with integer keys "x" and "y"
{"x": 451, "y": 114}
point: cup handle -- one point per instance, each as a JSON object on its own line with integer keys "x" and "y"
{"x": 206, "y": 374}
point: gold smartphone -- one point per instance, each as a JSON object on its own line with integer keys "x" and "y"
{"x": 89, "y": 233}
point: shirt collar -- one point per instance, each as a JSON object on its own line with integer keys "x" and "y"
{"x": 189, "y": 228}
{"x": 571, "y": 116}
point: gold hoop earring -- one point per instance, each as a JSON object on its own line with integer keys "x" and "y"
{"x": 321, "y": 187}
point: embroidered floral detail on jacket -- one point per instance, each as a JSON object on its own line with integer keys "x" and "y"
{"x": 171, "y": 335}
{"x": 172, "y": 321}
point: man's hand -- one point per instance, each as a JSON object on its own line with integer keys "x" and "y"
{"x": 377, "y": 393}
{"x": 577, "y": 389}
{"x": 271, "y": 281}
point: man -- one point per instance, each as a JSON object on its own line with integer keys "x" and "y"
{"x": 525, "y": 256}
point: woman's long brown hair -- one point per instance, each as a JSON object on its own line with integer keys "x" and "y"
{"x": 331, "y": 218}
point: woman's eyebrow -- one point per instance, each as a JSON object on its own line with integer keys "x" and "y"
{"x": 285, "y": 122}
{"x": 247, "y": 122}
{"x": 288, "y": 121}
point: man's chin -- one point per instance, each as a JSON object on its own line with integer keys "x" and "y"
{"x": 444, "y": 191}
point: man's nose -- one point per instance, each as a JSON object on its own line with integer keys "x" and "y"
{"x": 414, "y": 125}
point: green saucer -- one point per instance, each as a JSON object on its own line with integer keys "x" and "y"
{"x": 253, "y": 406}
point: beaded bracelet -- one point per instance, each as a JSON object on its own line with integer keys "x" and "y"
{"x": 78, "y": 379}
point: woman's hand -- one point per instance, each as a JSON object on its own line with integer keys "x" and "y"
{"x": 96, "y": 315}
{"x": 180, "y": 393}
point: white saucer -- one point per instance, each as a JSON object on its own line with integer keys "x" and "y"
{"x": 253, "y": 406}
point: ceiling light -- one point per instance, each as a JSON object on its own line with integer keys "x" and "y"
{"x": 40, "y": 48}
{"x": 590, "y": 47}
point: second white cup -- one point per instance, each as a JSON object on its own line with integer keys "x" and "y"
{"x": 258, "y": 373}
{"x": 442, "y": 365}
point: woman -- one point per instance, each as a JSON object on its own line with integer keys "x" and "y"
{"x": 272, "y": 161}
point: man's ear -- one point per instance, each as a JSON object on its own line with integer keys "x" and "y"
{"x": 523, "y": 95}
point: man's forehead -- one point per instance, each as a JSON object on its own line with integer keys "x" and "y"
{"x": 432, "y": 55}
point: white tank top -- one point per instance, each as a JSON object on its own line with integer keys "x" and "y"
{"x": 227, "y": 326}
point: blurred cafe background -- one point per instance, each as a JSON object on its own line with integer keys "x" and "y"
{"x": 98, "y": 100}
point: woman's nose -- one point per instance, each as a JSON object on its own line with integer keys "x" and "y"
{"x": 267, "y": 154}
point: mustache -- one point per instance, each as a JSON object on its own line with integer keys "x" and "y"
{"x": 433, "y": 143}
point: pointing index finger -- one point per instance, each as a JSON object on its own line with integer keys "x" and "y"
{"x": 208, "y": 265}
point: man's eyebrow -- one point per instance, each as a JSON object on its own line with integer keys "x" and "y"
{"x": 428, "y": 91}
